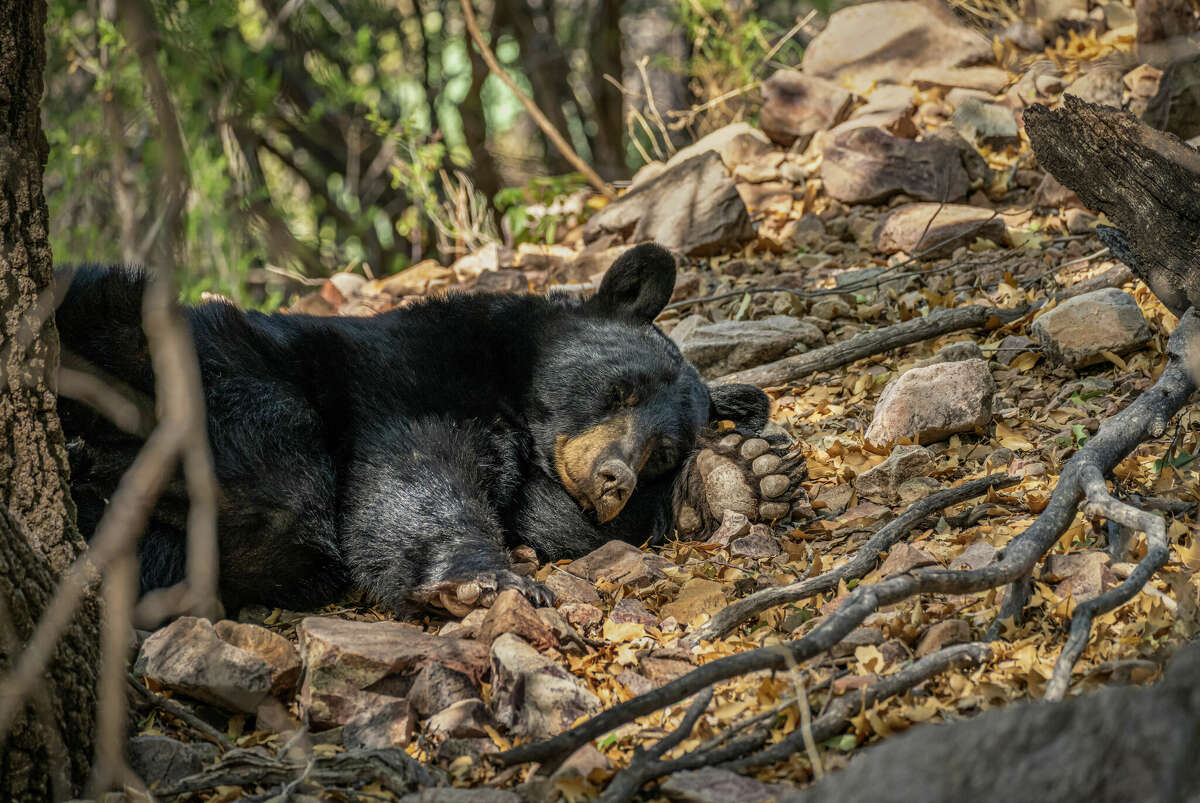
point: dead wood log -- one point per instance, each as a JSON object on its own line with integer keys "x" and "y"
{"x": 1145, "y": 181}
{"x": 866, "y": 344}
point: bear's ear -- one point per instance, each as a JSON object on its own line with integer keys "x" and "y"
{"x": 638, "y": 285}
{"x": 744, "y": 405}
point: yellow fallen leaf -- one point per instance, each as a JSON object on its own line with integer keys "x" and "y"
{"x": 1010, "y": 438}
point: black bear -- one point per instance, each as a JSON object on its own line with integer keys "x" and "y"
{"x": 414, "y": 449}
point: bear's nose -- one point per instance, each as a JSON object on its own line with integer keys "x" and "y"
{"x": 616, "y": 476}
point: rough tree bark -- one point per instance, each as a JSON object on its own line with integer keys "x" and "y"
{"x": 1146, "y": 182}
{"x": 46, "y": 756}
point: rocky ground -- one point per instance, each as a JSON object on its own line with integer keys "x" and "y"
{"x": 890, "y": 181}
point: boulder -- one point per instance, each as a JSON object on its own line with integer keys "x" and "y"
{"x": 888, "y": 41}
{"x": 692, "y": 207}
{"x": 882, "y": 482}
{"x": 532, "y": 696}
{"x": 273, "y": 648}
{"x": 721, "y": 348}
{"x": 796, "y": 106}
{"x": 869, "y": 165}
{"x": 1078, "y": 331}
{"x": 936, "y": 229}
{"x": 986, "y": 124}
{"x": 189, "y": 657}
{"x": 929, "y": 404}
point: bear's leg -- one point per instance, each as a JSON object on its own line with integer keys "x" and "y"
{"x": 743, "y": 472}
{"x": 420, "y": 521}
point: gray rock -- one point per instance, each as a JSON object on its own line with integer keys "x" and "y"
{"x": 692, "y": 207}
{"x": 1011, "y": 347}
{"x": 717, "y": 349}
{"x": 987, "y": 124}
{"x": 1079, "y": 329}
{"x": 388, "y": 724}
{"x": 977, "y": 555}
{"x": 953, "y": 352}
{"x": 796, "y": 106}
{"x": 929, "y": 404}
{"x": 532, "y": 695}
{"x": 869, "y": 165}
{"x": 881, "y": 483}
{"x": 163, "y": 760}
{"x": 466, "y": 719}
{"x": 188, "y": 656}
{"x": 273, "y": 648}
{"x": 619, "y": 562}
{"x": 1101, "y": 85}
{"x": 887, "y": 41}
{"x": 714, "y": 785}
{"x": 437, "y": 687}
{"x": 733, "y": 525}
{"x": 935, "y": 230}
{"x": 736, "y": 143}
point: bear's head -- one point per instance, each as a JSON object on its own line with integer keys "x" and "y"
{"x": 616, "y": 404}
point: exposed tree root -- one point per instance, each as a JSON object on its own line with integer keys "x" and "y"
{"x": 1145, "y": 417}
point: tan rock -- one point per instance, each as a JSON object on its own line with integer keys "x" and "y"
{"x": 273, "y": 648}
{"x": 512, "y": 613}
{"x": 621, "y": 563}
{"x": 796, "y": 106}
{"x": 929, "y": 404}
{"x": 697, "y": 598}
{"x": 882, "y": 482}
{"x": 904, "y": 558}
{"x": 935, "y": 230}
{"x": 1079, "y": 330}
{"x": 869, "y": 165}
{"x": 421, "y": 279}
{"x": 943, "y": 634}
{"x": 532, "y": 695}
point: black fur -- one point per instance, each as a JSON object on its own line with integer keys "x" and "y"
{"x": 401, "y": 451}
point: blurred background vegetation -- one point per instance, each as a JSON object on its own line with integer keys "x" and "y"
{"x": 248, "y": 140}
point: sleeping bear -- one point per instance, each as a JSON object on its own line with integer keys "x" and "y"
{"x": 410, "y": 451}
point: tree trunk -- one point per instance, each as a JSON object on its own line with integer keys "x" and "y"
{"x": 1146, "y": 182}
{"x": 47, "y": 754}
{"x": 608, "y": 145}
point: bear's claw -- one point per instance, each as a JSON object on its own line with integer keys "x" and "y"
{"x": 460, "y": 597}
{"x": 742, "y": 472}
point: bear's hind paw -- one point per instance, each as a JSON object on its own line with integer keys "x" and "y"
{"x": 743, "y": 473}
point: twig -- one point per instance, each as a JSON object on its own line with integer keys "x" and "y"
{"x": 602, "y": 186}
{"x": 731, "y": 616}
{"x": 1146, "y": 416}
{"x": 179, "y": 712}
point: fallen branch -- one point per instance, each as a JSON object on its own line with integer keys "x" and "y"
{"x": 391, "y": 768}
{"x": 730, "y": 617}
{"x": 1147, "y": 416}
{"x": 174, "y": 709}
{"x": 937, "y": 323}
{"x": 642, "y": 766}
{"x": 552, "y": 134}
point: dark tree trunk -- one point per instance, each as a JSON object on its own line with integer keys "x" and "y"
{"x": 608, "y": 145}
{"x": 46, "y": 756}
{"x": 1145, "y": 181}
{"x": 483, "y": 168}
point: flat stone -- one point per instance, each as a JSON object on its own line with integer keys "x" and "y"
{"x": 943, "y": 634}
{"x": 733, "y": 525}
{"x": 1012, "y": 347}
{"x": 858, "y": 637}
{"x": 273, "y": 648}
{"x": 929, "y": 404}
{"x": 1077, "y": 331}
{"x": 759, "y": 544}
{"x": 737, "y": 143}
{"x": 697, "y": 598}
{"x": 935, "y": 230}
{"x": 420, "y": 279}
{"x": 436, "y": 688}
{"x": 888, "y": 41}
{"x": 796, "y": 106}
{"x": 882, "y": 482}
{"x": 714, "y": 785}
{"x": 632, "y": 610}
{"x": 636, "y": 683}
{"x": 621, "y": 563}
{"x": 692, "y": 207}
{"x": 466, "y": 719}
{"x": 532, "y": 696}
{"x": 506, "y": 280}
{"x": 189, "y": 657}
{"x": 513, "y": 613}
{"x": 582, "y": 614}
{"x": 163, "y": 760}
{"x": 986, "y": 124}
{"x": 869, "y": 165}
{"x": 1101, "y": 85}
{"x": 389, "y": 725}
{"x": 569, "y": 588}
{"x": 903, "y": 558}
{"x": 716, "y": 349}
{"x": 977, "y": 555}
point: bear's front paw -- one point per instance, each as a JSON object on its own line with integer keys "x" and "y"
{"x": 743, "y": 473}
{"x": 460, "y": 597}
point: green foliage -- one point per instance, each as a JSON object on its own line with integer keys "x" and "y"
{"x": 530, "y": 212}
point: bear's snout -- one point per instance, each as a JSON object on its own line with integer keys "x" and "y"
{"x": 615, "y": 482}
